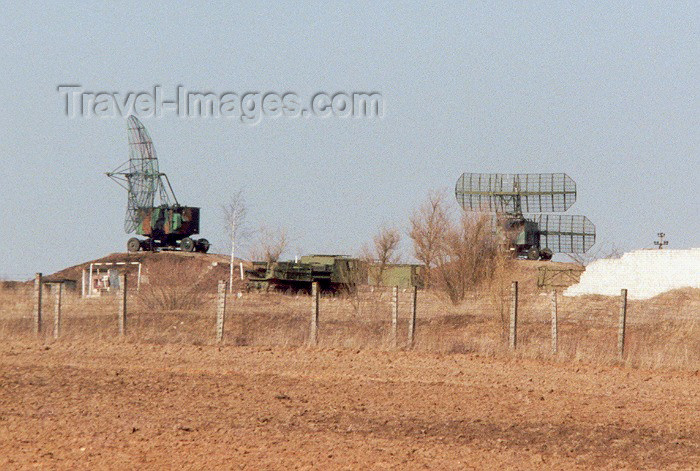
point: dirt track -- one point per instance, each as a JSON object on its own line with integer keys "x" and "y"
{"x": 131, "y": 406}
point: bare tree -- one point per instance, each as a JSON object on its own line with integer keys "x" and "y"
{"x": 383, "y": 251}
{"x": 429, "y": 225}
{"x": 271, "y": 244}
{"x": 234, "y": 214}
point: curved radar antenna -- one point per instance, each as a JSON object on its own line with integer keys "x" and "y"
{"x": 510, "y": 196}
{"x": 140, "y": 176}
{"x": 516, "y": 193}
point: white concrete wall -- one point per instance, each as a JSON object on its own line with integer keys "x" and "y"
{"x": 645, "y": 274}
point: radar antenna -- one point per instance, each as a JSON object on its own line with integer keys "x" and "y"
{"x": 140, "y": 176}
{"x": 518, "y": 201}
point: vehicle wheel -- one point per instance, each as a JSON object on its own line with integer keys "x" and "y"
{"x": 147, "y": 245}
{"x": 533, "y": 253}
{"x": 546, "y": 254}
{"x": 187, "y": 245}
{"x": 133, "y": 245}
{"x": 203, "y": 245}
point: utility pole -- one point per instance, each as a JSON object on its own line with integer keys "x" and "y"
{"x": 233, "y": 247}
{"x": 661, "y": 242}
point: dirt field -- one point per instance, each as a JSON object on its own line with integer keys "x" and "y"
{"x": 126, "y": 406}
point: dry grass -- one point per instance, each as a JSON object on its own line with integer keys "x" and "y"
{"x": 662, "y": 333}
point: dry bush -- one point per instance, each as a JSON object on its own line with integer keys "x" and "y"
{"x": 467, "y": 258}
{"x": 459, "y": 256}
{"x": 383, "y": 252}
{"x": 429, "y": 225}
{"x": 270, "y": 244}
{"x": 172, "y": 286}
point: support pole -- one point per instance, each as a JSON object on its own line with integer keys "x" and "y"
{"x": 83, "y": 283}
{"x": 412, "y": 318}
{"x": 394, "y": 314}
{"x": 554, "y": 322}
{"x": 37, "y": 303}
{"x": 57, "y": 310}
{"x": 122, "y": 313}
{"x": 313, "y": 339}
{"x": 621, "y": 326}
{"x": 513, "y": 315}
{"x": 240, "y": 266}
{"x": 90, "y": 282}
{"x": 221, "y": 312}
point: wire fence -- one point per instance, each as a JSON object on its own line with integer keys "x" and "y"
{"x": 546, "y": 325}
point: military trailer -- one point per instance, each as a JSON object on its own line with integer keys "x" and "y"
{"x": 168, "y": 227}
{"x": 403, "y": 275}
{"x": 334, "y": 273}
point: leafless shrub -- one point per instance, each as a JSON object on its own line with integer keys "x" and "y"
{"x": 429, "y": 225}
{"x": 467, "y": 257}
{"x": 383, "y": 252}
{"x": 270, "y": 244}
{"x": 172, "y": 287}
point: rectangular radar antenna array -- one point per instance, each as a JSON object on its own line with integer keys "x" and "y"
{"x": 520, "y": 201}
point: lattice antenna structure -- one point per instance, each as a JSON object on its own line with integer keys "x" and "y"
{"x": 661, "y": 242}
{"x": 519, "y": 200}
{"x": 515, "y": 194}
{"x": 146, "y": 186}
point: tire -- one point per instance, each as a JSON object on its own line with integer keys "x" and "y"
{"x": 187, "y": 245}
{"x": 533, "y": 253}
{"x": 203, "y": 245}
{"x": 133, "y": 245}
{"x": 546, "y": 254}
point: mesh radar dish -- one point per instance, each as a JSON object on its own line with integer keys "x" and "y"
{"x": 152, "y": 209}
{"x": 518, "y": 201}
{"x": 140, "y": 176}
{"x": 510, "y": 193}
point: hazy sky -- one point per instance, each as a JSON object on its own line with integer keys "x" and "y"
{"x": 607, "y": 93}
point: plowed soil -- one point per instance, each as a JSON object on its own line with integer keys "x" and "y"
{"x": 127, "y": 406}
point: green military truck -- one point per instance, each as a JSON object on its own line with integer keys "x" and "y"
{"x": 334, "y": 273}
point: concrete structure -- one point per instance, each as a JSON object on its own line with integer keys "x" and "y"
{"x": 644, "y": 273}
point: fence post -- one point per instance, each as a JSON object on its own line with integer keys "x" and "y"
{"x": 554, "y": 322}
{"x": 394, "y": 314}
{"x": 513, "y": 315}
{"x": 83, "y": 283}
{"x": 122, "y": 304}
{"x": 412, "y": 318}
{"x": 621, "y": 327}
{"x": 37, "y": 303}
{"x": 221, "y": 311}
{"x": 314, "y": 313}
{"x": 57, "y": 310}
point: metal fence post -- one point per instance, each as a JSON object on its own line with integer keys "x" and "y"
{"x": 394, "y": 314}
{"x": 621, "y": 326}
{"x": 412, "y": 318}
{"x": 121, "y": 320}
{"x": 37, "y": 303}
{"x": 513, "y": 315}
{"x": 221, "y": 311}
{"x": 57, "y": 310}
{"x": 314, "y": 313}
{"x": 554, "y": 322}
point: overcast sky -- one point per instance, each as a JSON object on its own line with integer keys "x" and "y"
{"x": 605, "y": 93}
